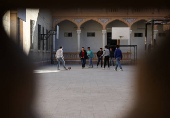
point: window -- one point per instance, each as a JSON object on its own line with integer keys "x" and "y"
{"x": 90, "y": 34}
{"x": 138, "y": 34}
{"x": 32, "y": 22}
{"x": 39, "y": 37}
{"x": 68, "y": 34}
{"x": 162, "y": 34}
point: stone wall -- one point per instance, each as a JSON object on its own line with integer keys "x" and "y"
{"x": 70, "y": 43}
{"x": 42, "y": 17}
{"x": 6, "y": 22}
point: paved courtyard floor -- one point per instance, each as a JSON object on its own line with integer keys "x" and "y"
{"x": 84, "y": 93}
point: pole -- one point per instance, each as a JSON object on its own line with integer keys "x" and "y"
{"x": 152, "y": 34}
{"x": 134, "y": 56}
{"x": 52, "y": 51}
{"x": 136, "y": 53}
{"x": 43, "y": 38}
{"x": 145, "y": 38}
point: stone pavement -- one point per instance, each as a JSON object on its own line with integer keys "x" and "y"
{"x": 84, "y": 93}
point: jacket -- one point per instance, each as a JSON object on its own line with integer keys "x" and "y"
{"x": 59, "y": 53}
{"x": 99, "y": 53}
{"x": 106, "y": 52}
{"x": 112, "y": 53}
{"x": 118, "y": 53}
{"x": 91, "y": 54}
{"x": 85, "y": 54}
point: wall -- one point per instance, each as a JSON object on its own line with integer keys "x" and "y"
{"x": 44, "y": 18}
{"x": 138, "y": 27}
{"x": 160, "y": 30}
{"x": 40, "y": 16}
{"x": 13, "y": 26}
{"x": 6, "y": 22}
{"x": 69, "y": 43}
{"x": 95, "y": 43}
{"x": 118, "y": 23}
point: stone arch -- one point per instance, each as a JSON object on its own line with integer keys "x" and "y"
{"x": 146, "y": 19}
{"x": 94, "y": 19}
{"x": 114, "y": 19}
{"x": 65, "y": 19}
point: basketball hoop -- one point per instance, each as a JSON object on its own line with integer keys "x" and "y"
{"x": 121, "y": 36}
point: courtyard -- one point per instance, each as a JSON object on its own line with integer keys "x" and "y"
{"x": 84, "y": 93}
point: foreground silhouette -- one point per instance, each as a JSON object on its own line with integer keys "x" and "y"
{"x": 18, "y": 82}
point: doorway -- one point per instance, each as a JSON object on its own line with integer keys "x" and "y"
{"x": 111, "y": 42}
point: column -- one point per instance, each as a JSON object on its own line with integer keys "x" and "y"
{"x": 155, "y": 33}
{"x": 104, "y": 38}
{"x": 129, "y": 40}
{"x": 146, "y": 25}
{"x": 152, "y": 25}
{"x": 54, "y": 43}
{"x": 78, "y": 40}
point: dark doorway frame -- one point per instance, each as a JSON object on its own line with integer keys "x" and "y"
{"x": 152, "y": 23}
{"x": 111, "y": 41}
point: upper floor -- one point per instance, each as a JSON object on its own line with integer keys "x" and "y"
{"x": 105, "y": 16}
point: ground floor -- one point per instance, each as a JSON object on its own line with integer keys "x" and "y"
{"x": 92, "y": 34}
{"x": 84, "y": 93}
{"x": 32, "y": 31}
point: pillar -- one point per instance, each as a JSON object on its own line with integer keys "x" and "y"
{"x": 146, "y": 25}
{"x": 78, "y": 40}
{"x": 104, "y": 38}
{"x": 152, "y": 25}
{"x": 54, "y": 43}
{"x": 129, "y": 40}
{"x": 155, "y": 34}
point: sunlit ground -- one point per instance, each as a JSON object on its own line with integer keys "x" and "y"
{"x": 84, "y": 93}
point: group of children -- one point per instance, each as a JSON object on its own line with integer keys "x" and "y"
{"x": 106, "y": 54}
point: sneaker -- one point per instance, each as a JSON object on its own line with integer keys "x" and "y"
{"x": 65, "y": 68}
{"x": 108, "y": 68}
{"x": 121, "y": 70}
{"x": 115, "y": 70}
{"x": 103, "y": 68}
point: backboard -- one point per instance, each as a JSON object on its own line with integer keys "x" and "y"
{"x": 120, "y": 33}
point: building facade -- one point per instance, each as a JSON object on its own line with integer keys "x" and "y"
{"x": 26, "y": 32}
{"x": 80, "y": 28}
{"x": 93, "y": 27}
